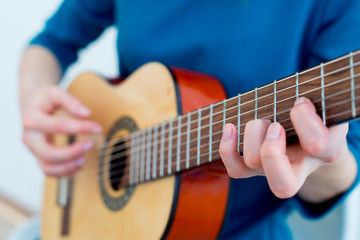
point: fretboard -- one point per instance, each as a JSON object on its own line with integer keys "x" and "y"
{"x": 193, "y": 139}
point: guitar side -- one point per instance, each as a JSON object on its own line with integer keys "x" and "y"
{"x": 174, "y": 207}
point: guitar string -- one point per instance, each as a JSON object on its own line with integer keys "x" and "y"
{"x": 194, "y": 130}
{"x": 106, "y": 146}
{"x": 143, "y": 131}
{"x": 95, "y": 187}
{"x": 225, "y": 110}
{"x": 138, "y": 146}
{"x": 205, "y": 136}
{"x": 338, "y": 70}
{"x": 126, "y": 153}
{"x": 220, "y": 132}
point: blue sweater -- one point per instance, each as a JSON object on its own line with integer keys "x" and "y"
{"x": 245, "y": 43}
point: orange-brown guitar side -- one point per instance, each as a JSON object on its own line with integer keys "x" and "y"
{"x": 203, "y": 192}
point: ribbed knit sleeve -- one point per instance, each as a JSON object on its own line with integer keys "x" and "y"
{"x": 73, "y": 26}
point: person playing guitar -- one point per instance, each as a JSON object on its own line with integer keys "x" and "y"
{"x": 245, "y": 44}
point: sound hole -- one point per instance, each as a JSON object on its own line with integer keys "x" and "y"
{"x": 116, "y": 169}
{"x": 117, "y": 164}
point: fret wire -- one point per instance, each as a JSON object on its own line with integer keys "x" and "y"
{"x": 352, "y": 85}
{"x": 170, "y": 144}
{"x": 275, "y": 100}
{"x": 143, "y": 155}
{"x": 312, "y": 79}
{"x": 286, "y": 78}
{"x": 162, "y": 149}
{"x": 288, "y": 129}
{"x": 323, "y": 94}
{"x": 297, "y": 85}
{"x": 188, "y": 141}
{"x": 330, "y": 84}
{"x": 178, "y": 145}
{"x": 137, "y": 168}
{"x": 256, "y": 102}
{"x": 285, "y": 111}
{"x": 330, "y": 116}
{"x": 327, "y": 74}
{"x": 338, "y": 103}
{"x": 210, "y": 132}
{"x": 224, "y": 113}
{"x": 148, "y": 154}
{"x": 131, "y": 163}
{"x": 155, "y": 151}
{"x": 312, "y": 90}
{"x": 330, "y": 73}
{"x": 198, "y": 137}
{"x": 239, "y": 121}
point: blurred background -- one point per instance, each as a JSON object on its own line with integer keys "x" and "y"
{"x": 21, "y": 181}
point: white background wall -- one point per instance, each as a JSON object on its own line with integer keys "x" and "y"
{"x": 20, "y": 178}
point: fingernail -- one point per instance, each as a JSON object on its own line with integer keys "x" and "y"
{"x": 273, "y": 131}
{"x": 87, "y": 146}
{"x": 227, "y": 131}
{"x": 96, "y": 129}
{"x": 80, "y": 161}
{"x": 299, "y": 100}
{"x": 83, "y": 111}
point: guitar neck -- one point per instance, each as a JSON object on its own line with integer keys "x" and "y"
{"x": 193, "y": 139}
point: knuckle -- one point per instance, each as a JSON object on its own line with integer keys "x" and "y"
{"x": 60, "y": 127}
{"x": 24, "y": 139}
{"x": 267, "y": 151}
{"x": 252, "y": 161}
{"x": 48, "y": 155}
{"x": 224, "y": 151}
{"x": 53, "y": 90}
{"x": 47, "y": 169}
{"x": 70, "y": 168}
{"x": 27, "y": 120}
{"x": 315, "y": 145}
{"x": 233, "y": 173}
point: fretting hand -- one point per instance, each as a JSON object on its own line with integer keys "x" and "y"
{"x": 287, "y": 168}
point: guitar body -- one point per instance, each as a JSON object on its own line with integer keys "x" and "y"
{"x": 187, "y": 205}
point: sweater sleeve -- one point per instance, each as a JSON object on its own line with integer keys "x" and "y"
{"x": 73, "y": 26}
{"x": 338, "y": 34}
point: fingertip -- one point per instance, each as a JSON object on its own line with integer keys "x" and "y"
{"x": 83, "y": 111}
{"x": 274, "y": 131}
{"x": 228, "y": 131}
{"x": 96, "y": 128}
{"x": 87, "y": 145}
{"x": 80, "y": 161}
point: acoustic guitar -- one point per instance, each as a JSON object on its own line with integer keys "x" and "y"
{"x": 155, "y": 173}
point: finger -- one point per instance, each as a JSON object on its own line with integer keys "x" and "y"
{"x": 63, "y": 169}
{"x": 48, "y": 153}
{"x": 281, "y": 176}
{"x": 254, "y": 136}
{"x": 233, "y": 162}
{"x": 56, "y": 124}
{"x": 60, "y": 98}
{"x": 337, "y": 140}
{"x": 315, "y": 138}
